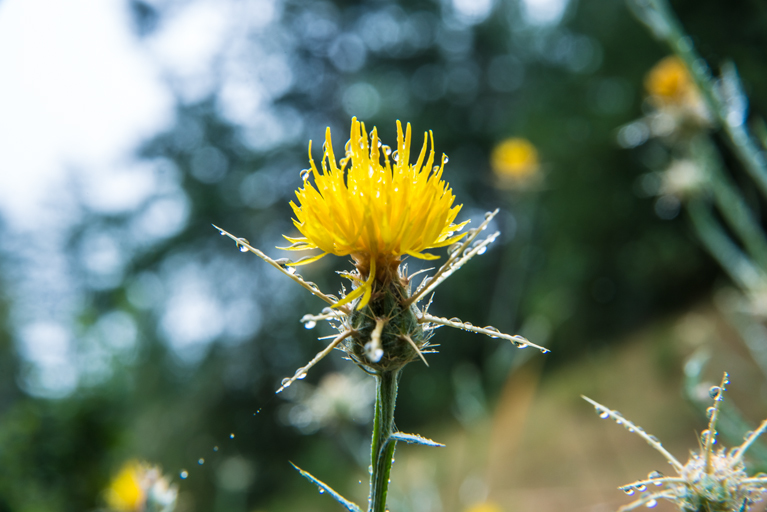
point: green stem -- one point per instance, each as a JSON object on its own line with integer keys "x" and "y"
{"x": 737, "y": 264}
{"x": 382, "y": 445}
{"x": 731, "y": 203}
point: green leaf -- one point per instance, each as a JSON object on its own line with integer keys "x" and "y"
{"x": 414, "y": 439}
{"x": 351, "y": 507}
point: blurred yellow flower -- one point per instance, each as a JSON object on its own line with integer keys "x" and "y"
{"x": 514, "y": 161}
{"x": 140, "y": 487}
{"x": 125, "y": 492}
{"x": 372, "y": 209}
{"x": 484, "y": 507}
{"x": 669, "y": 83}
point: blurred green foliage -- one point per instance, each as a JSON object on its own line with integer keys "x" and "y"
{"x": 582, "y": 259}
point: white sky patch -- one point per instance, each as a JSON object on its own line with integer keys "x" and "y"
{"x": 188, "y": 45}
{"x": 472, "y": 12}
{"x": 544, "y": 12}
{"x": 76, "y": 93}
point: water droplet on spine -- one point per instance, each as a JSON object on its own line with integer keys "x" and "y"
{"x": 285, "y": 383}
{"x": 629, "y": 490}
{"x": 311, "y": 324}
{"x": 714, "y": 392}
{"x": 651, "y": 504}
{"x": 482, "y": 250}
{"x": 184, "y": 474}
{"x": 445, "y": 158}
{"x": 604, "y": 415}
{"x": 305, "y": 174}
{"x": 301, "y": 376}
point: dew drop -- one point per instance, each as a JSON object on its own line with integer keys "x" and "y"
{"x": 748, "y": 434}
{"x": 184, "y": 474}
{"x": 604, "y": 415}
{"x": 311, "y": 324}
{"x": 488, "y": 215}
{"x": 215, "y": 448}
{"x": 243, "y": 248}
{"x": 290, "y": 270}
{"x": 231, "y": 436}
{"x": 200, "y": 461}
{"x": 305, "y": 174}
{"x": 453, "y": 248}
{"x": 285, "y": 383}
{"x": 456, "y": 320}
{"x": 710, "y": 412}
{"x": 641, "y": 488}
{"x": 223, "y": 233}
{"x": 322, "y": 491}
{"x": 395, "y": 156}
{"x": 714, "y": 392}
{"x": 629, "y": 490}
{"x": 651, "y": 504}
{"x": 655, "y": 474}
{"x": 301, "y": 376}
{"x": 377, "y": 355}
{"x": 482, "y": 250}
{"x": 445, "y": 159}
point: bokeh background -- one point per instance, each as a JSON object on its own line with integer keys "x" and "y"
{"x": 129, "y": 329}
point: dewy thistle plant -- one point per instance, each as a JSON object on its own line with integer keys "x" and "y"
{"x": 714, "y": 479}
{"x": 376, "y": 207}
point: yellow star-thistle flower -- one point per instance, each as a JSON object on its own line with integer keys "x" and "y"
{"x": 373, "y": 209}
{"x": 514, "y": 158}
{"x": 126, "y": 492}
{"x": 669, "y": 83}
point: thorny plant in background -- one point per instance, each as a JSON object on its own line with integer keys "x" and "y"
{"x": 714, "y": 479}
{"x": 688, "y": 108}
{"x": 376, "y": 207}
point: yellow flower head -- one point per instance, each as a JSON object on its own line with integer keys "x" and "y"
{"x": 374, "y": 206}
{"x": 669, "y": 83}
{"x": 484, "y": 507}
{"x": 125, "y": 492}
{"x": 515, "y": 163}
